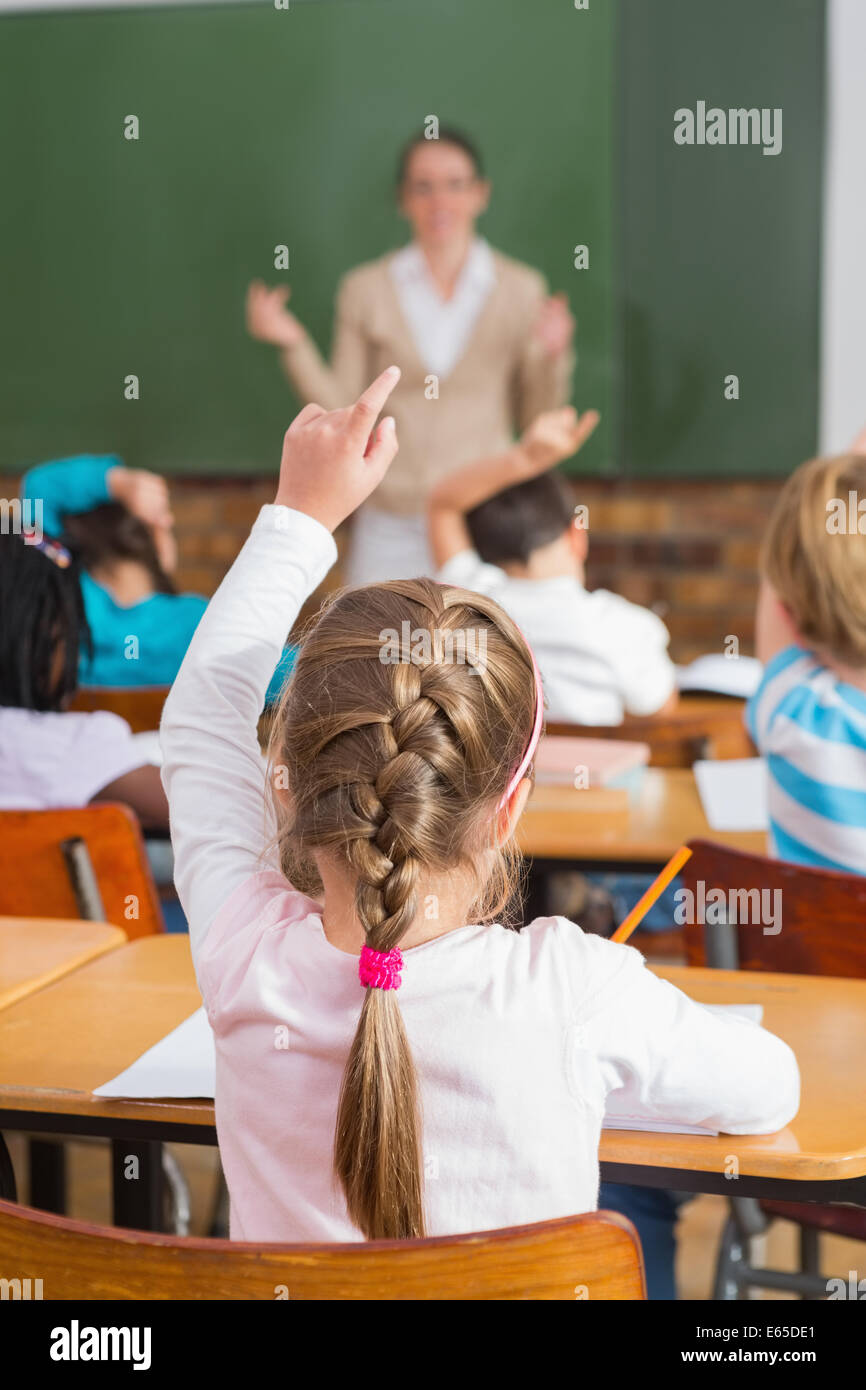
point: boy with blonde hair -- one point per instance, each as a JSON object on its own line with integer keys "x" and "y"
{"x": 808, "y": 716}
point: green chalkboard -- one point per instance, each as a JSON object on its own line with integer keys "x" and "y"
{"x": 719, "y": 264}
{"x": 261, "y": 127}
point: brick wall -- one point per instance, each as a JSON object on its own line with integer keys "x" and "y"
{"x": 687, "y": 549}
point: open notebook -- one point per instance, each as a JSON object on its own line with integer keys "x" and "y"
{"x": 181, "y": 1066}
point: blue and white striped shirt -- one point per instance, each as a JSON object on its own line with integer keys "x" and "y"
{"x": 811, "y": 728}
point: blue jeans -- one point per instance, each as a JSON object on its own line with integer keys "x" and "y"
{"x": 627, "y": 889}
{"x": 653, "y": 1211}
{"x": 161, "y": 862}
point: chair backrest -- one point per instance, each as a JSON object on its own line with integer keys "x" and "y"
{"x": 701, "y": 727}
{"x": 821, "y": 915}
{"x": 596, "y": 1256}
{"x": 35, "y": 877}
{"x": 140, "y": 706}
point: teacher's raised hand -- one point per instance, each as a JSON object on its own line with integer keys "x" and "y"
{"x": 268, "y": 319}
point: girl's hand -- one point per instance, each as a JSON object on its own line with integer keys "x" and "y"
{"x": 556, "y": 435}
{"x": 142, "y": 493}
{"x": 333, "y": 460}
{"x": 268, "y": 319}
{"x": 555, "y": 326}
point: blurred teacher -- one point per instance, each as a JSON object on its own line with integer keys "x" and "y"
{"x": 481, "y": 347}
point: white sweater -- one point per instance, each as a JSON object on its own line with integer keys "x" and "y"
{"x": 520, "y": 1039}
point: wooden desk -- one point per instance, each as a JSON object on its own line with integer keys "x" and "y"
{"x": 35, "y": 951}
{"x": 824, "y": 1020}
{"x": 663, "y": 812}
{"x": 57, "y": 1045}
{"x": 701, "y": 726}
{"x": 109, "y": 1012}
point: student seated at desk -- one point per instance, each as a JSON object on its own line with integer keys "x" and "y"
{"x": 49, "y": 756}
{"x": 506, "y": 526}
{"x": 808, "y": 716}
{"x": 118, "y": 523}
{"x": 375, "y": 860}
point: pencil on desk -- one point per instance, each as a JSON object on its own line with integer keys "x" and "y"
{"x": 655, "y": 890}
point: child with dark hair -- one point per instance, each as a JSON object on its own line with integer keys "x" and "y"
{"x": 506, "y": 527}
{"x": 118, "y": 523}
{"x": 48, "y": 755}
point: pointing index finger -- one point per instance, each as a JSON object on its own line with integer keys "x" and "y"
{"x": 370, "y": 402}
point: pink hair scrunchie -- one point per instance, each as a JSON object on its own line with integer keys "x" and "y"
{"x": 380, "y": 969}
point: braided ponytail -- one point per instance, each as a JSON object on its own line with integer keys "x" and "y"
{"x": 395, "y": 766}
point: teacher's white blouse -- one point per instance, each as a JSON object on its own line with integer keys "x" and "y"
{"x": 441, "y": 328}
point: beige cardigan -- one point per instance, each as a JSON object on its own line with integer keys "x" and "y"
{"x": 501, "y": 382}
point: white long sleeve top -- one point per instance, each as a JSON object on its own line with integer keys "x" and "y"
{"x": 520, "y": 1039}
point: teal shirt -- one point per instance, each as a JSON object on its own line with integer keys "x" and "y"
{"x": 139, "y": 645}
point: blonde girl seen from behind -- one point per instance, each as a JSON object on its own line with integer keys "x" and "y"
{"x": 396, "y": 771}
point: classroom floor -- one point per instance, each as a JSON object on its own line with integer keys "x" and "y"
{"x": 699, "y": 1228}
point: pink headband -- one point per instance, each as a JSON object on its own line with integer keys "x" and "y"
{"x": 533, "y": 741}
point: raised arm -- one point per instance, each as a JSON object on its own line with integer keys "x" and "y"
{"x": 334, "y": 385}
{"x": 213, "y": 772}
{"x": 73, "y": 485}
{"x": 550, "y": 438}
{"x": 66, "y": 486}
{"x": 543, "y": 376}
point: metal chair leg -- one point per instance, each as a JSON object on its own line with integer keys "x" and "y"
{"x": 219, "y": 1222}
{"x": 746, "y": 1220}
{"x": 727, "y": 1282}
{"x": 177, "y": 1195}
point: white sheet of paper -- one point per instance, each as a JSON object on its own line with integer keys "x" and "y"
{"x": 722, "y": 675}
{"x": 653, "y": 1126}
{"x": 733, "y": 793}
{"x": 182, "y": 1065}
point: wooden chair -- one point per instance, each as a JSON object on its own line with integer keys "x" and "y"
{"x": 701, "y": 727}
{"x": 140, "y": 706}
{"x": 596, "y": 1256}
{"x": 823, "y": 915}
{"x": 84, "y": 862}
{"x": 823, "y": 932}
{"x": 88, "y": 862}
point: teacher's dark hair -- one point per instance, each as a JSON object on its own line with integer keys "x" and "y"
{"x": 521, "y": 519}
{"x": 447, "y": 136}
{"x": 42, "y": 628}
